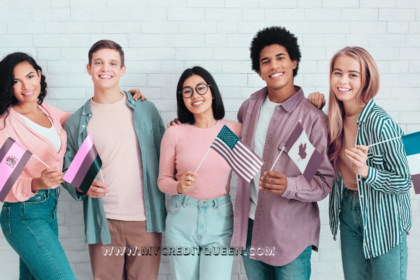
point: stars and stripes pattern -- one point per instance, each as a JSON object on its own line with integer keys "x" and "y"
{"x": 244, "y": 161}
{"x": 385, "y": 193}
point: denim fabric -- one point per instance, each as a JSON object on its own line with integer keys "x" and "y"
{"x": 205, "y": 224}
{"x": 298, "y": 269}
{"x": 31, "y": 229}
{"x": 149, "y": 129}
{"x": 389, "y": 266}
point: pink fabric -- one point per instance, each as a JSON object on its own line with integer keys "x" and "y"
{"x": 183, "y": 147}
{"x": 115, "y": 138}
{"x": 78, "y": 159}
{"x": 40, "y": 146}
{"x": 5, "y": 171}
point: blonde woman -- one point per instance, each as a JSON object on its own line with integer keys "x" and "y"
{"x": 370, "y": 197}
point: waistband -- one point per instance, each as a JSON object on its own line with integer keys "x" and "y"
{"x": 187, "y": 200}
{"x": 50, "y": 192}
{"x": 348, "y": 191}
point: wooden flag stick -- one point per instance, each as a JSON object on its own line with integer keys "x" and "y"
{"x": 277, "y": 159}
{"x": 202, "y": 160}
{"x": 35, "y": 156}
{"x": 384, "y": 141}
{"x": 279, "y": 155}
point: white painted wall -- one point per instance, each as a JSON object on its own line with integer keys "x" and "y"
{"x": 163, "y": 37}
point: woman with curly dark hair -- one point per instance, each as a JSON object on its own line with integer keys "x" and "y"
{"x": 29, "y": 214}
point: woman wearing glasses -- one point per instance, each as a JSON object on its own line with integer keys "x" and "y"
{"x": 199, "y": 224}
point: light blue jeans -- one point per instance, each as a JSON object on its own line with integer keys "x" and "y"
{"x": 31, "y": 229}
{"x": 298, "y": 269}
{"x": 198, "y": 235}
{"x": 390, "y": 266}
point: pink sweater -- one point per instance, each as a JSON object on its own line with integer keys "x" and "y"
{"x": 40, "y": 146}
{"x": 182, "y": 149}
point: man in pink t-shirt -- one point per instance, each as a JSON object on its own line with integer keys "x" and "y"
{"x": 126, "y": 211}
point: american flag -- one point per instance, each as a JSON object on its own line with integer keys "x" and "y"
{"x": 244, "y": 161}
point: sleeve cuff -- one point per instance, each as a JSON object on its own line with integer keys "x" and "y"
{"x": 28, "y": 191}
{"x": 290, "y": 191}
{"x": 371, "y": 177}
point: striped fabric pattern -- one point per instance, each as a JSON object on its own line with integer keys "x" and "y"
{"x": 384, "y": 194}
{"x": 244, "y": 161}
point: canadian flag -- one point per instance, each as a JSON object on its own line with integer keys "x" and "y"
{"x": 303, "y": 153}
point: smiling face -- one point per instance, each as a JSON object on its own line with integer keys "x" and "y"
{"x": 276, "y": 67}
{"x": 345, "y": 79}
{"x": 27, "y": 83}
{"x": 106, "y": 69}
{"x": 198, "y": 104}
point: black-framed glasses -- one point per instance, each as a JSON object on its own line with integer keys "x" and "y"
{"x": 201, "y": 89}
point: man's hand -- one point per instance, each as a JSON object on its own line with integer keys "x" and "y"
{"x": 358, "y": 158}
{"x": 175, "y": 122}
{"x": 137, "y": 94}
{"x": 97, "y": 189}
{"x": 273, "y": 182}
{"x": 187, "y": 181}
{"x": 318, "y": 99}
{"x": 50, "y": 177}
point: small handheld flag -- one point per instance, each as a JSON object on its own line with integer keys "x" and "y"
{"x": 301, "y": 151}
{"x": 245, "y": 162}
{"x": 85, "y": 166}
{"x": 412, "y": 149}
{"x": 13, "y": 158}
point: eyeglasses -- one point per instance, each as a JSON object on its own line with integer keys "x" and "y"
{"x": 201, "y": 89}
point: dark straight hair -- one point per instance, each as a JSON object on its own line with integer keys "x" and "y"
{"x": 184, "y": 115}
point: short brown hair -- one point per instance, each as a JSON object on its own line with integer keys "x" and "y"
{"x": 106, "y": 44}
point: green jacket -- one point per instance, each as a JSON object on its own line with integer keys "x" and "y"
{"x": 149, "y": 129}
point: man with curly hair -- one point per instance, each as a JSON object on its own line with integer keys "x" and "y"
{"x": 277, "y": 221}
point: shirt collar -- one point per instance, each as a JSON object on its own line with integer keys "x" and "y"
{"x": 366, "y": 111}
{"x": 290, "y": 104}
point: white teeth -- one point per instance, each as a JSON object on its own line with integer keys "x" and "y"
{"x": 196, "y": 103}
{"x": 105, "y": 77}
{"x": 28, "y": 93}
{"x": 344, "y": 89}
{"x": 276, "y": 75}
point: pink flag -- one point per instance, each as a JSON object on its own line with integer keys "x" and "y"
{"x": 13, "y": 158}
{"x": 85, "y": 166}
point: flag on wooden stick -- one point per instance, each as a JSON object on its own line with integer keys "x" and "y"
{"x": 85, "y": 166}
{"x": 13, "y": 158}
{"x": 303, "y": 153}
{"x": 244, "y": 161}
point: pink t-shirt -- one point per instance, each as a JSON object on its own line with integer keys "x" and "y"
{"x": 112, "y": 129}
{"x": 182, "y": 149}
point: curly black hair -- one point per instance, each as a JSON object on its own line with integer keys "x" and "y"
{"x": 270, "y": 36}
{"x": 7, "y": 66}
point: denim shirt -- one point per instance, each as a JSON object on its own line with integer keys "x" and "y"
{"x": 149, "y": 129}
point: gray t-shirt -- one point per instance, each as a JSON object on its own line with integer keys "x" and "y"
{"x": 266, "y": 112}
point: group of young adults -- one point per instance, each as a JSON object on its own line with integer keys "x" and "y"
{"x": 141, "y": 162}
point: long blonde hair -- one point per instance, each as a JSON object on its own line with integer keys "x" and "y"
{"x": 368, "y": 89}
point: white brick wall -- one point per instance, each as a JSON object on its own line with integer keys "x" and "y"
{"x": 163, "y": 37}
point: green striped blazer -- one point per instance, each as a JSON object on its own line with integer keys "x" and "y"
{"x": 384, "y": 194}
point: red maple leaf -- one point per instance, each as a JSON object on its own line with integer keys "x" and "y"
{"x": 302, "y": 151}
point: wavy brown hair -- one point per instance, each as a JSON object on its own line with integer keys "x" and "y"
{"x": 368, "y": 89}
{"x": 7, "y": 67}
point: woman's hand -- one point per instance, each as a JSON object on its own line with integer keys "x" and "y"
{"x": 50, "y": 177}
{"x": 358, "y": 157}
{"x": 318, "y": 99}
{"x": 186, "y": 182}
{"x": 175, "y": 122}
{"x": 137, "y": 94}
